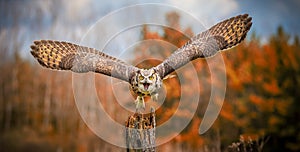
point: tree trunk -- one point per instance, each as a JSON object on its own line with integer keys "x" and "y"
{"x": 140, "y": 132}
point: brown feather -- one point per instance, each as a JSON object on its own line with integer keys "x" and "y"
{"x": 67, "y": 56}
{"x": 221, "y": 36}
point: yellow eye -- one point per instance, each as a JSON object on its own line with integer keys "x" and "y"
{"x": 151, "y": 77}
{"x": 141, "y": 78}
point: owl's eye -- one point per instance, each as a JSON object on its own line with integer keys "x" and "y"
{"x": 151, "y": 77}
{"x": 141, "y": 78}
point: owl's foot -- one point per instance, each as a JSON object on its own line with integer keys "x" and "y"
{"x": 139, "y": 103}
{"x": 154, "y": 97}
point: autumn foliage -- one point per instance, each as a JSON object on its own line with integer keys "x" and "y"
{"x": 37, "y": 108}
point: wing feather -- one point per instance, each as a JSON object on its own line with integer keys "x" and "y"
{"x": 67, "y": 56}
{"x": 221, "y": 36}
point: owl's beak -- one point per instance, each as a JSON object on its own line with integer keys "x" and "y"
{"x": 146, "y": 85}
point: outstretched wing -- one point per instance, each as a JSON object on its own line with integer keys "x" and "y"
{"x": 68, "y": 56}
{"x": 221, "y": 36}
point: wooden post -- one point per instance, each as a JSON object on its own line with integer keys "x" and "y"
{"x": 140, "y": 132}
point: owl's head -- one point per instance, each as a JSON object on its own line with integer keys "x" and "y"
{"x": 148, "y": 81}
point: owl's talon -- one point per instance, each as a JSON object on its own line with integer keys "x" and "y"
{"x": 139, "y": 103}
{"x": 154, "y": 97}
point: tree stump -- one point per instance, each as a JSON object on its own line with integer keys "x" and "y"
{"x": 140, "y": 132}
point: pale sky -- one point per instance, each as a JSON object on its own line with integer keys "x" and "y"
{"x": 68, "y": 20}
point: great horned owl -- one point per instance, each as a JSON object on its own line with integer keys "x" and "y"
{"x": 143, "y": 82}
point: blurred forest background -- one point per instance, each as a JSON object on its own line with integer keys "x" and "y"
{"x": 38, "y": 112}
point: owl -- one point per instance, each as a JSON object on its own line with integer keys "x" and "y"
{"x": 143, "y": 82}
